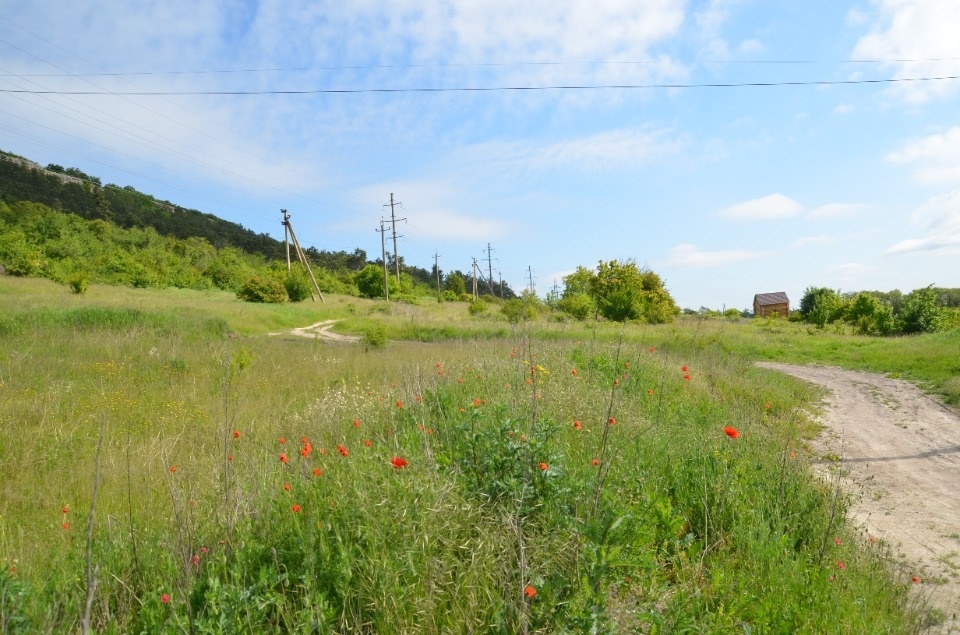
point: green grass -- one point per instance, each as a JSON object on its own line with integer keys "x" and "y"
{"x": 688, "y": 531}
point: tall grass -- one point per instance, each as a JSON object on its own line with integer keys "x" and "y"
{"x": 489, "y": 526}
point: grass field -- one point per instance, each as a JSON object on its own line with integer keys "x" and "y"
{"x": 168, "y": 466}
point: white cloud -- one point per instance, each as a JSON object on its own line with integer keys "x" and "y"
{"x": 805, "y": 241}
{"x": 438, "y": 212}
{"x": 849, "y": 270}
{"x": 939, "y": 217}
{"x": 768, "y": 207}
{"x": 937, "y": 157}
{"x": 617, "y": 149}
{"x": 691, "y": 256}
{"x": 843, "y": 109}
{"x": 837, "y": 210}
{"x": 915, "y": 30}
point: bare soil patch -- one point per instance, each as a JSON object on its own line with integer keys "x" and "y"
{"x": 322, "y": 331}
{"x": 900, "y": 453}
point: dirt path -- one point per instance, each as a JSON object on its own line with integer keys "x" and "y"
{"x": 902, "y": 450}
{"x": 321, "y": 330}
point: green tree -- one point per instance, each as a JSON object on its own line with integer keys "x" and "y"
{"x": 369, "y": 281}
{"x": 921, "y": 312}
{"x": 822, "y": 306}
{"x": 869, "y": 315}
{"x": 622, "y": 292}
{"x": 455, "y": 283}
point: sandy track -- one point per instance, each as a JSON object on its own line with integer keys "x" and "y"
{"x": 321, "y": 330}
{"x": 902, "y": 450}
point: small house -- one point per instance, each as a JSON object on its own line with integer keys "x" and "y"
{"x": 767, "y": 304}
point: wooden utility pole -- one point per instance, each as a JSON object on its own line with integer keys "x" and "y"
{"x": 302, "y": 257}
{"x": 530, "y": 276}
{"x": 436, "y": 265}
{"x": 490, "y": 269}
{"x": 393, "y": 226}
{"x": 383, "y": 251}
{"x": 286, "y": 235}
{"x": 474, "y": 278}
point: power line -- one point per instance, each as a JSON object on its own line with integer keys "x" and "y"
{"x": 481, "y": 89}
{"x": 355, "y": 67}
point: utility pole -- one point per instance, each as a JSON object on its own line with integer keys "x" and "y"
{"x": 383, "y": 251}
{"x": 302, "y": 257}
{"x": 500, "y": 273}
{"x": 530, "y": 276}
{"x": 474, "y": 278}
{"x": 393, "y": 225}
{"x": 490, "y": 269}
{"x": 286, "y": 235}
{"x": 436, "y": 265}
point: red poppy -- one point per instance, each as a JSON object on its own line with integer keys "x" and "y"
{"x": 651, "y": 349}
{"x": 65, "y": 510}
{"x": 543, "y": 466}
{"x": 529, "y": 591}
{"x": 683, "y": 368}
{"x": 577, "y": 425}
{"x": 840, "y": 565}
{"x": 767, "y": 405}
{"x": 398, "y": 462}
{"x": 399, "y": 404}
{"x": 236, "y": 434}
{"x": 687, "y": 377}
{"x": 916, "y": 579}
{"x": 650, "y": 391}
{"x": 283, "y": 457}
{"x": 229, "y": 457}
{"x": 611, "y": 421}
{"x": 731, "y": 432}
{"x": 165, "y": 598}
{"x": 173, "y": 468}
{"x": 316, "y": 471}
{"x": 476, "y": 402}
{"x": 342, "y": 450}
{"x": 616, "y": 382}
{"x": 356, "y": 423}
{"x": 296, "y": 508}
{"x": 367, "y": 442}
{"x": 574, "y": 372}
{"x": 836, "y": 540}
{"x": 282, "y": 440}
{"x": 595, "y": 462}
{"x": 305, "y": 452}
{"x": 66, "y": 525}
{"x": 286, "y": 487}
{"x": 196, "y": 559}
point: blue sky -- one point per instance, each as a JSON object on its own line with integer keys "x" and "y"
{"x": 725, "y": 192}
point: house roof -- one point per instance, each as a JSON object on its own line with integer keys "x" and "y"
{"x": 779, "y": 297}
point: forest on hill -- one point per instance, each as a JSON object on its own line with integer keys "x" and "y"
{"x": 63, "y": 224}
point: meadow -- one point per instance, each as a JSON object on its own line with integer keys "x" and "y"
{"x": 168, "y": 465}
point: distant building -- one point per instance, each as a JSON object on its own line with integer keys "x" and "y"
{"x": 765, "y": 304}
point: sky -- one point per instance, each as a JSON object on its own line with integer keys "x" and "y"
{"x": 543, "y": 135}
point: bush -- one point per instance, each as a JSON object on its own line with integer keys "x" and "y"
{"x": 579, "y": 305}
{"x": 477, "y": 307}
{"x": 78, "y": 284}
{"x": 375, "y": 336}
{"x": 297, "y": 284}
{"x": 263, "y": 289}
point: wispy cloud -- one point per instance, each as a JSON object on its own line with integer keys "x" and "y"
{"x": 838, "y": 210}
{"x": 806, "y": 241}
{"x": 691, "y": 256}
{"x": 768, "y": 207}
{"x": 939, "y": 219}
{"x": 936, "y": 156}
{"x": 914, "y": 30}
{"x": 849, "y": 270}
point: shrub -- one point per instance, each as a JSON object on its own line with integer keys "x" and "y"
{"x": 375, "y": 336}
{"x": 922, "y": 312}
{"x": 263, "y": 289}
{"x": 478, "y": 306}
{"x": 579, "y": 305}
{"x": 78, "y": 284}
{"x": 297, "y": 284}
